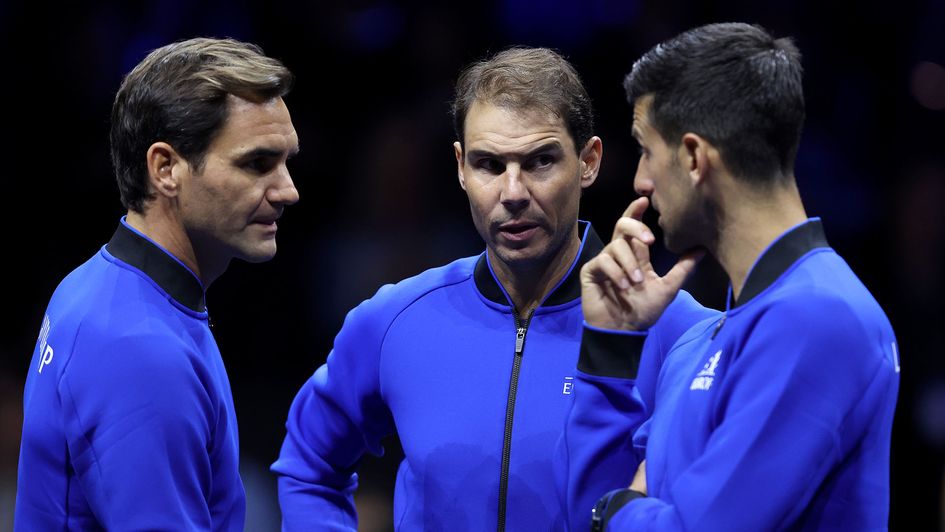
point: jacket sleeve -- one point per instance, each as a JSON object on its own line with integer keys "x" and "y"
{"x": 138, "y": 422}
{"x": 337, "y": 416}
{"x": 785, "y": 412}
{"x": 613, "y": 395}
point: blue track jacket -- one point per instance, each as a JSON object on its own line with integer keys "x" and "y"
{"x": 477, "y": 395}
{"x": 128, "y": 417}
{"x": 775, "y": 417}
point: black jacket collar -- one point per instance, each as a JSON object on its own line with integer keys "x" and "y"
{"x": 567, "y": 290}
{"x": 172, "y": 276}
{"x": 780, "y": 255}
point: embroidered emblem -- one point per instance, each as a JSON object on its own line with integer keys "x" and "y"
{"x": 704, "y": 378}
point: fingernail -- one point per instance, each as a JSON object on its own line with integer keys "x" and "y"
{"x": 624, "y": 284}
{"x": 637, "y": 275}
{"x": 648, "y": 235}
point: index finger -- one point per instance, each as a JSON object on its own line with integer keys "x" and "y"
{"x": 628, "y": 228}
{"x": 637, "y": 207}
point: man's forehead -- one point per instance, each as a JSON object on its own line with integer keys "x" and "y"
{"x": 532, "y": 114}
{"x": 641, "y": 114}
{"x": 489, "y": 123}
{"x": 250, "y": 126}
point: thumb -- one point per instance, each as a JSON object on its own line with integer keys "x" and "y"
{"x": 677, "y": 275}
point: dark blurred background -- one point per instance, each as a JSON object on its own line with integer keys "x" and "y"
{"x": 380, "y": 200}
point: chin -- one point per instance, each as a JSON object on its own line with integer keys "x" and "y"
{"x": 672, "y": 246}
{"x": 526, "y": 257}
{"x": 673, "y": 241}
{"x": 679, "y": 243}
{"x": 257, "y": 259}
{"x": 262, "y": 254}
{"x": 675, "y": 246}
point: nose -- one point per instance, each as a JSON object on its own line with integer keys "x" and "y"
{"x": 515, "y": 194}
{"x": 283, "y": 191}
{"x": 642, "y": 184}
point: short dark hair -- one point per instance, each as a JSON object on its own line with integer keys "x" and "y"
{"x": 733, "y": 84}
{"x": 526, "y": 78}
{"x": 178, "y": 94}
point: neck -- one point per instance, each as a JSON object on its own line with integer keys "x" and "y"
{"x": 529, "y": 284}
{"x": 749, "y": 222}
{"x": 160, "y": 225}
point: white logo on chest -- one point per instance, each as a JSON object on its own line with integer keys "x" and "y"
{"x": 568, "y": 386}
{"x": 704, "y": 378}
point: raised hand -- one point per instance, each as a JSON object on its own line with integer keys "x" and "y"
{"x": 619, "y": 288}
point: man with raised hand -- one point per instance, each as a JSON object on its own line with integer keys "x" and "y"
{"x": 778, "y": 414}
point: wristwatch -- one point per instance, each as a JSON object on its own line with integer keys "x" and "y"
{"x": 609, "y": 504}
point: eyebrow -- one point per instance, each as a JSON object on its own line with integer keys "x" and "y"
{"x": 544, "y": 148}
{"x": 267, "y": 152}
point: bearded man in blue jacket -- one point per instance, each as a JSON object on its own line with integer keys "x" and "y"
{"x": 778, "y": 414}
{"x": 471, "y": 364}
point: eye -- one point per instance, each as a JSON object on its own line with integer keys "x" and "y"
{"x": 492, "y": 166}
{"x": 259, "y": 165}
{"x": 543, "y": 161}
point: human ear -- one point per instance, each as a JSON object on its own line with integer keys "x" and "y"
{"x": 591, "y": 156}
{"x": 458, "y": 149}
{"x": 164, "y": 169}
{"x": 694, "y": 156}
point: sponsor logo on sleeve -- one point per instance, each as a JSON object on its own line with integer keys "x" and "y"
{"x": 45, "y": 349}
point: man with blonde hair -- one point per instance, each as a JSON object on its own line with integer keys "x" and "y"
{"x": 129, "y": 421}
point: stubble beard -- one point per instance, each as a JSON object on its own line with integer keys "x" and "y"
{"x": 538, "y": 261}
{"x": 694, "y": 228}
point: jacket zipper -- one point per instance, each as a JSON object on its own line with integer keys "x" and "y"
{"x": 521, "y": 330}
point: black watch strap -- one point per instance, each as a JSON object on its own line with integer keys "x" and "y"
{"x": 609, "y": 504}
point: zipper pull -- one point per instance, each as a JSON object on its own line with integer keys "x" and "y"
{"x": 519, "y": 340}
{"x": 718, "y": 327}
